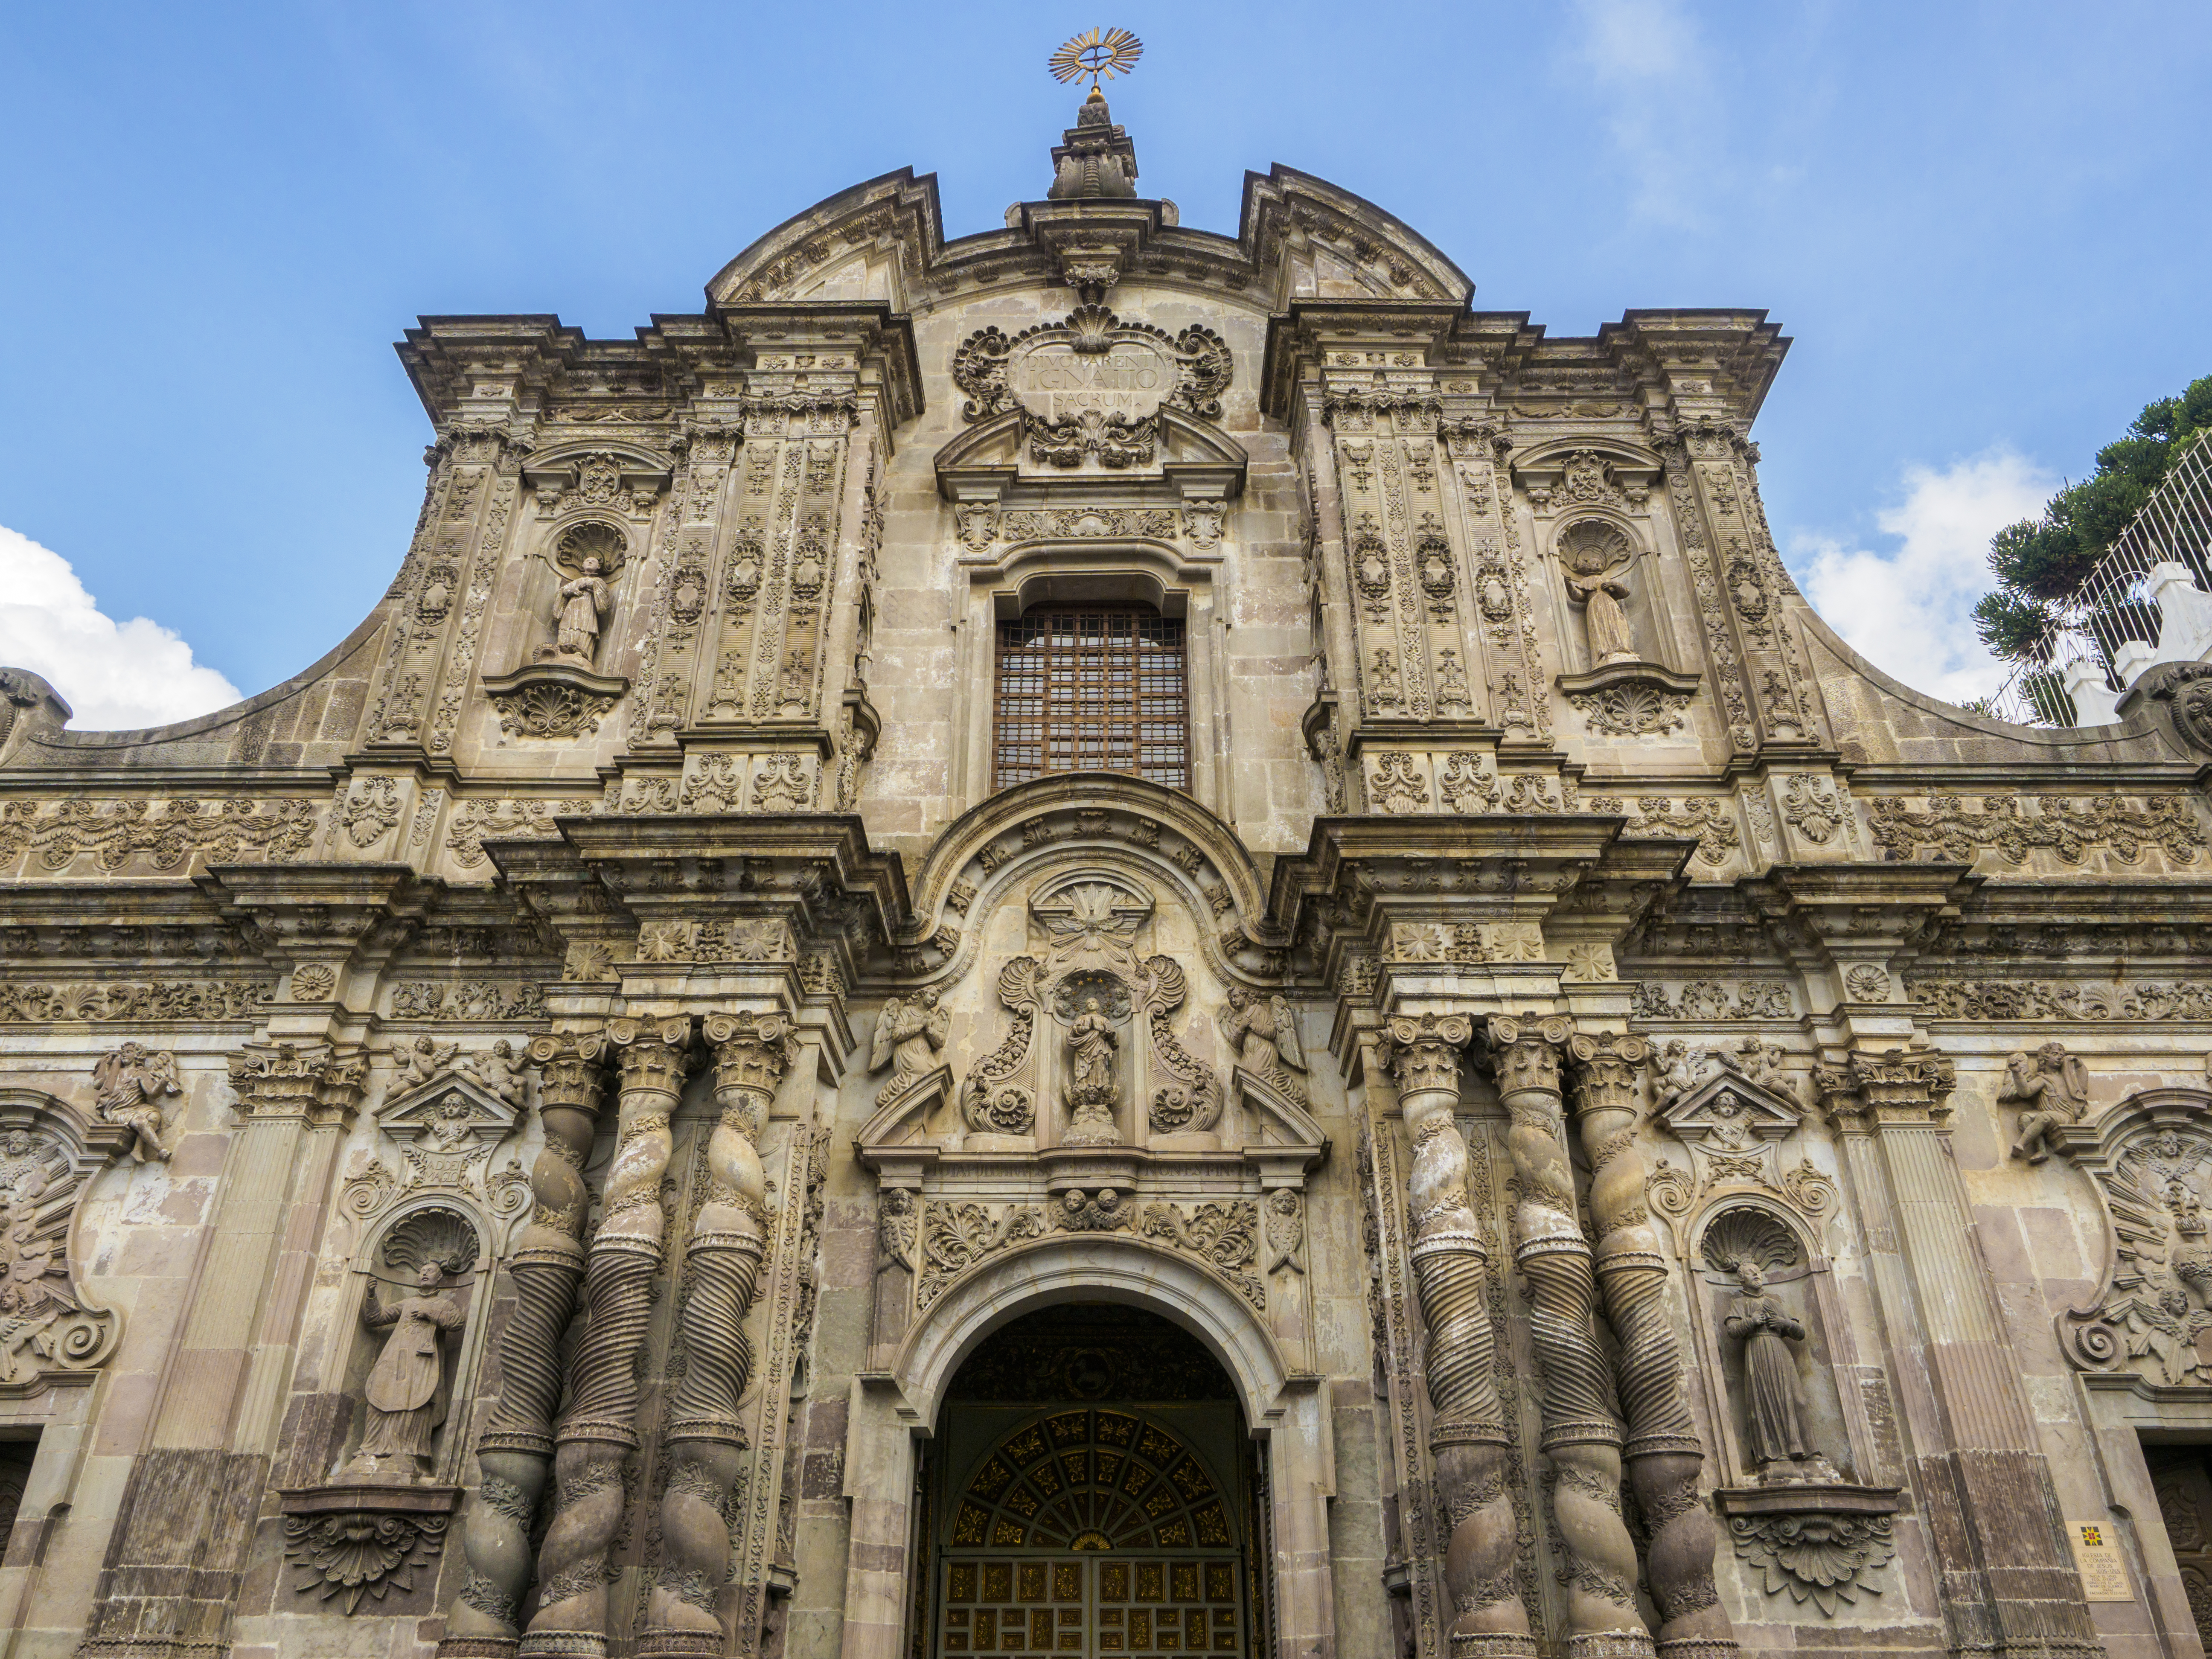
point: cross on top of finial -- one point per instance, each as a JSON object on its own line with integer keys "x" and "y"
{"x": 1097, "y": 53}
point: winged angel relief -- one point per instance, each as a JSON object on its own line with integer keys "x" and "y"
{"x": 2154, "y": 1318}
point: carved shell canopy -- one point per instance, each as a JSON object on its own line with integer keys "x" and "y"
{"x": 592, "y": 539}
{"x": 1592, "y": 547}
{"x": 440, "y": 1236}
{"x": 1744, "y": 1234}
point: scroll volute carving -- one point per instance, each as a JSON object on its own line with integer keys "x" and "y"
{"x": 52, "y": 1331}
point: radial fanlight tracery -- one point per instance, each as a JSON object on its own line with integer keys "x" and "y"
{"x": 1092, "y": 1479}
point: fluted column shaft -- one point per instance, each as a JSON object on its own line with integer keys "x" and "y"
{"x": 516, "y": 1449}
{"x": 599, "y": 1433}
{"x": 703, "y": 1442}
{"x": 1467, "y": 1437}
{"x": 1663, "y": 1451}
{"x": 1582, "y": 1432}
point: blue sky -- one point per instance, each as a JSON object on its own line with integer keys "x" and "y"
{"x": 1977, "y": 220}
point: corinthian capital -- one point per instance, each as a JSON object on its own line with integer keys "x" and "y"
{"x": 1424, "y": 1050}
{"x": 1606, "y": 1067}
{"x": 568, "y": 1073}
{"x": 1525, "y": 1050}
{"x": 651, "y": 1052}
{"x": 752, "y": 1051}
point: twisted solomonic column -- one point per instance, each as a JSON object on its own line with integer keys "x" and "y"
{"x": 703, "y": 1444}
{"x": 518, "y": 1445}
{"x": 1582, "y": 1424}
{"x": 599, "y": 1431}
{"x": 1451, "y": 1275}
{"x": 1664, "y": 1454}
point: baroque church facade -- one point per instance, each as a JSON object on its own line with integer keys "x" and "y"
{"x": 1101, "y": 939}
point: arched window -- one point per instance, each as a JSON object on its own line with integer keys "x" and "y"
{"x": 1091, "y": 689}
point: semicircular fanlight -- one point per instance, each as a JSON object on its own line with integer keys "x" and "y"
{"x": 1092, "y": 1479}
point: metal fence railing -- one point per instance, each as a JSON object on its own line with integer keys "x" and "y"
{"x": 2149, "y": 600}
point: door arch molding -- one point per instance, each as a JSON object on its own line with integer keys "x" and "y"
{"x": 1287, "y": 1411}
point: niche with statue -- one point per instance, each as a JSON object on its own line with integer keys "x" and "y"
{"x": 1800, "y": 1511}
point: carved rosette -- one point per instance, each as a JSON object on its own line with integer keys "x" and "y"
{"x": 1582, "y": 1429}
{"x": 703, "y": 1442}
{"x": 1663, "y": 1451}
{"x": 599, "y": 1431}
{"x": 1467, "y": 1438}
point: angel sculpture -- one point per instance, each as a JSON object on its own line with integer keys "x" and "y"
{"x": 909, "y": 1038}
{"x": 1761, "y": 1064}
{"x": 419, "y": 1063}
{"x": 2053, "y": 1089}
{"x": 1682, "y": 1068}
{"x": 1265, "y": 1032}
{"x": 498, "y": 1072}
{"x": 130, "y": 1085}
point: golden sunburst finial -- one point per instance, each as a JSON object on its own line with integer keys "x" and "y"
{"x": 1097, "y": 53}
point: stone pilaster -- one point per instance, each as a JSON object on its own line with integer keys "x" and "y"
{"x": 1663, "y": 1451}
{"x": 2008, "y": 1583}
{"x": 1581, "y": 1428}
{"x": 1467, "y": 1436}
{"x": 597, "y": 1438}
{"x": 177, "y": 1557}
{"x": 517, "y": 1447}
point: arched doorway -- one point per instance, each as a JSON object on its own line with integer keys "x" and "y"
{"x": 1093, "y": 1492}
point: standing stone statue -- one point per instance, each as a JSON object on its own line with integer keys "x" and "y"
{"x": 404, "y": 1405}
{"x": 1773, "y": 1399}
{"x": 2053, "y": 1089}
{"x": 586, "y": 599}
{"x": 1093, "y": 1091}
{"x": 1594, "y": 576}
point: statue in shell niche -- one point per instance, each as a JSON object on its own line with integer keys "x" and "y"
{"x": 1750, "y": 1254}
{"x": 1093, "y": 1007}
{"x": 1599, "y": 557}
{"x": 1090, "y": 1044}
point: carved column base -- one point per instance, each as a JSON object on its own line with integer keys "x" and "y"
{"x": 1700, "y": 1647}
{"x": 564, "y": 1644}
{"x": 1493, "y": 1644}
{"x": 681, "y": 1645}
{"x": 1611, "y": 1645}
{"x": 479, "y": 1647}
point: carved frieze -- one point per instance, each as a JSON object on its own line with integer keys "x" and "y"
{"x": 2068, "y": 827}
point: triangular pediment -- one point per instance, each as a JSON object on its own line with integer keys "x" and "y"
{"x": 452, "y": 1108}
{"x": 1729, "y": 1109}
{"x": 1279, "y": 1126}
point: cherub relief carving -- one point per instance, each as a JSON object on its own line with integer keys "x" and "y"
{"x": 498, "y": 1072}
{"x": 2052, "y": 1089}
{"x": 130, "y": 1085}
{"x": 421, "y": 1061}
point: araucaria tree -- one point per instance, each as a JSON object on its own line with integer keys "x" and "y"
{"x": 2041, "y": 564}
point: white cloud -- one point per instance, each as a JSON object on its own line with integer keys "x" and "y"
{"x": 1909, "y": 610}
{"x": 115, "y": 676}
{"x": 1648, "y": 60}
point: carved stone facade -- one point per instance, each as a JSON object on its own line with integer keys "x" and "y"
{"x": 545, "y": 1135}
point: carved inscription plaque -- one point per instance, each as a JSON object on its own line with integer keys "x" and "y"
{"x": 1055, "y": 381}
